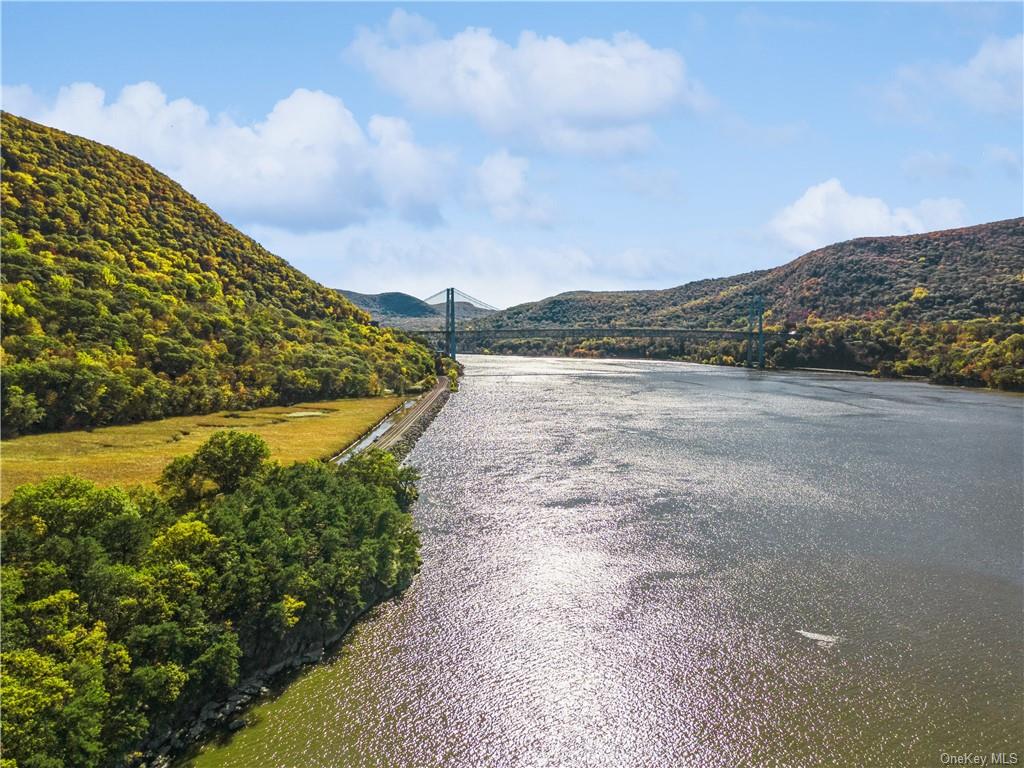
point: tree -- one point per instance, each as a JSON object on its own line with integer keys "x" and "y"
{"x": 125, "y": 299}
{"x": 226, "y": 459}
{"x": 20, "y": 410}
{"x": 126, "y": 611}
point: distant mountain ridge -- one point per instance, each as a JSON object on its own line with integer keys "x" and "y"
{"x": 401, "y": 310}
{"x": 955, "y": 274}
{"x": 393, "y": 305}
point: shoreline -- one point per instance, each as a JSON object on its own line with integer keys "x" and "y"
{"x": 423, "y": 407}
{"x": 227, "y": 715}
{"x": 402, "y": 436}
{"x": 828, "y": 371}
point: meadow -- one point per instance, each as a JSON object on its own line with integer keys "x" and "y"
{"x": 137, "y": 453}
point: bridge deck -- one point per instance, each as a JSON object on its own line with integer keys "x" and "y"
{"x": 593, "y": 332}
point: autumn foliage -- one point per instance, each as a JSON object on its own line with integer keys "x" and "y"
{"x": 123, "y": 299}
{"x": 125, "y": 610}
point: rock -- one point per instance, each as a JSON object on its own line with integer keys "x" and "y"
{"x": 334, "y": 637}
{"x": 209, "y": 711}
{"x": 236, "y": 725}
{"x": 264, "y": 690}
{"x": 313, "y": 656}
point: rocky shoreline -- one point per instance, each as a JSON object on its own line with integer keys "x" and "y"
{"x": 227, "y": 715}
{"x": 404, "y": 446}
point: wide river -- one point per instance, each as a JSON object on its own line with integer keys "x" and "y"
{"x": 662, "y": 564}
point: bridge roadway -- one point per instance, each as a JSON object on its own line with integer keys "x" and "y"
{"x": 594, "y": 333}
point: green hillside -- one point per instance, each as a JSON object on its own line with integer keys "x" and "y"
{"x": 958, "y": 274}
{"x": 947, "y": 306}
{"x": 124, "y": 299}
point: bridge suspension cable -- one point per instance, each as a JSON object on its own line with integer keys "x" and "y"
{"x": 440, "y": 297}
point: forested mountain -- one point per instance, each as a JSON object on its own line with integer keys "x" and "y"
{"x": 394, "y": 307}
{"x": 947, "y": 306}
{"x": 401, "y": 310}
{"x": 124, "y": 298}
{"x": 957, "y": 274}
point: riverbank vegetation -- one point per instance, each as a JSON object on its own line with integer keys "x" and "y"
{"x": 982, "y": 353}
{"x": 124, "y": 610}
{"x": 124, "y": 299}
{"x": 137, "y": 453}
{"x": 946, "y": 306}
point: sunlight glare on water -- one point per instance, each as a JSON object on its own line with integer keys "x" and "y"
{"x": 654, "y": 564}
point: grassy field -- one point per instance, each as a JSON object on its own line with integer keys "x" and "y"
{"x": 137, "y": 453}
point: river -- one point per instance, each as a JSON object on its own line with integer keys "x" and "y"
{"x": 661, "y": 564}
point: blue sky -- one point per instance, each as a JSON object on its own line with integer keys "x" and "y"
{"x": 518, "y": 151}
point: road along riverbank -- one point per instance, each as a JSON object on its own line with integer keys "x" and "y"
{"x": 397, "y": 432}
{"x": 400, "y": 439}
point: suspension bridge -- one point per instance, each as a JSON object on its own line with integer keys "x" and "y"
{"x": 458, "y": 298}
{"x": 456, "y": 302}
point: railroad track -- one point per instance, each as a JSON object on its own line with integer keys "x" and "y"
{"x": 414, "y": 414}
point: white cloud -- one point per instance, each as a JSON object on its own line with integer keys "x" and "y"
{"x": 990, "y": 81}
{"x": 20, "y": 100}
{"x": 1004, "y": 158}
{"x": 502, "y": 186}
{"x": 377, "y": 256}
{"x": 593, "y": 95}
{"x": 826, "y": 213}
{"x": 307, "y": 164}
{"x": 373, "y": 258}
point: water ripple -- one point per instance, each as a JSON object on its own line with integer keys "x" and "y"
{"x": 645, "y": 564}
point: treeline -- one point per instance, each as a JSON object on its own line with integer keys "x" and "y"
{"x": 983, "y": 353}
{"x": 124, "y": 609}
{"x": 123, "y": 298}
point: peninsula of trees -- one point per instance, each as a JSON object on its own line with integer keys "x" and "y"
{"x": 125, "y": 610}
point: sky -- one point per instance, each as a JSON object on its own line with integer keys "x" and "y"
{"x": 521, "y": 150}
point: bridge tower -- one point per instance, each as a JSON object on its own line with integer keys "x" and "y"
{"x": 449, "y": 321}
{"x": 756, "y": 311}
{"x": 760, "y": 332}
